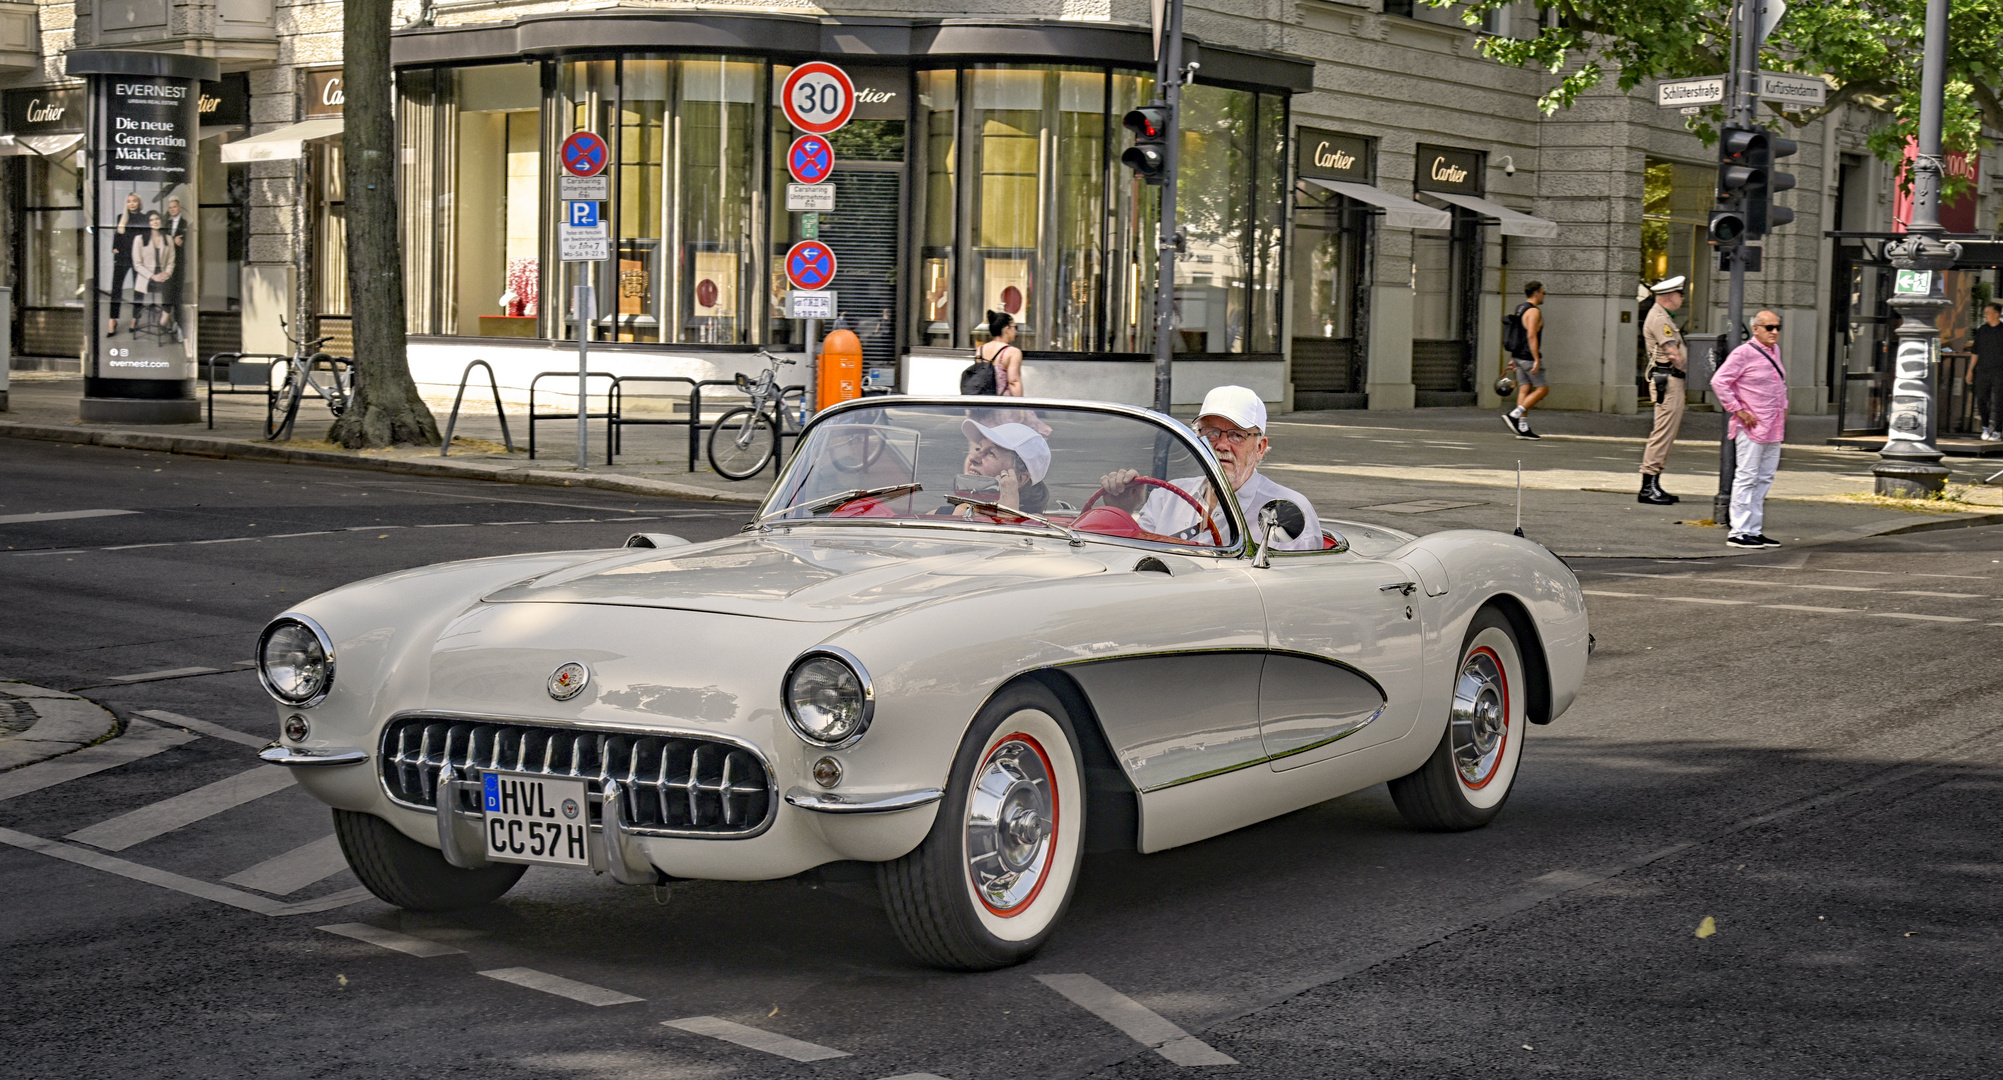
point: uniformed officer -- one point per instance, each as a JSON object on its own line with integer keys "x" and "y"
{"x": 1667, "y": 362}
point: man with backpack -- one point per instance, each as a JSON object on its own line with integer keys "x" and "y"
{"x": 1523, "y": 339}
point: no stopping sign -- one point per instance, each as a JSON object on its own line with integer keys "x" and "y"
{"x": 818, "y": 97}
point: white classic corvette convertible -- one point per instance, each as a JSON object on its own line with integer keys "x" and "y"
{"x": 966, "y": 673}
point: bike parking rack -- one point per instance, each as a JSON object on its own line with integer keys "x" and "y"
{"x": 620, "y": 421}
{"x": 534, "y": 416}
{"x": 445, "y": 448}
{"x": 271, "y": 361}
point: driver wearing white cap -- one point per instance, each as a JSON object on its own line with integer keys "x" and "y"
{"x": 1233, "y": 421}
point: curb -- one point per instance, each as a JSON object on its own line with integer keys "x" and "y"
{"x": 1897, "y": 526}
{"x": 65, "y": 723}
{"x": 233, "y": 449}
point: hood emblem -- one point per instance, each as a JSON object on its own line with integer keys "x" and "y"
{"x": 568, "y": 681}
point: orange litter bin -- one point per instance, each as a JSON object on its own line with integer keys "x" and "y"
{"x": 840, "y": 376}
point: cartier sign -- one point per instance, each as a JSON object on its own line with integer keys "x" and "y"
{"x": 879, "y": 92}
{"x": 48, "y": 110}
{"x": 326, "y": 93}
{"x": 1329, "y": 155}
{"x": 226, "y": 103}
{"x": 1443, "y": 168}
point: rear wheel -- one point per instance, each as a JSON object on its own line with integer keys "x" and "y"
{"x": 401, "y": 871}
{"x": 742, "y": 443}
{"x": 1468, "y": 778}
{"x": 986, "y": 887}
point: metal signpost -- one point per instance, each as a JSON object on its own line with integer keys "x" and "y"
{"x": 583, "y": 236}
{"x": 818, "y": 98}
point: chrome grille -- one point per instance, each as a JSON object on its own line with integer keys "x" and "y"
{"x": 675, "y": 785}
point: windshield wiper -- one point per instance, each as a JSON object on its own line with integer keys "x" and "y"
{"x": 852, "y": 495}
{"x": 997, "y": 508}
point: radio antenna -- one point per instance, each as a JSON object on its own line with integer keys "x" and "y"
{"x": 1519, "y": 496}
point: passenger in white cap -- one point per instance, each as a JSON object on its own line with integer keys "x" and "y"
{"x": 1233, "y": 421}
{"x": 1013, "y": 455}
{"x": 1667, "y": 364}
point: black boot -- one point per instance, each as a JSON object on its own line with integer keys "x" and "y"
{"x": 1652, "y": 493}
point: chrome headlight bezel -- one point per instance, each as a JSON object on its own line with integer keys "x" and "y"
{"x": 847, "y": 660}
{"x": 326, "y": 644}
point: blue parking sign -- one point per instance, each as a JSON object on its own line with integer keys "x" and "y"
{"x": 582, "y": 215}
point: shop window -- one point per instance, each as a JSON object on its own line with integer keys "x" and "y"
{"x": 1214, "y": 202}
{"x": 1445, "y": 272}
{"x": 1676, "y": 205}
{"x": 718, "y": 121}
{"x": 1131, "y": 256}
{"x": 50, "y": 258}
{"x": 933, "y": 212}
{"x": 223, "y": 193}
{"x": 1330, "y": 238}
{"x": 489, "y": 129}
{"x": 328, "y": 184}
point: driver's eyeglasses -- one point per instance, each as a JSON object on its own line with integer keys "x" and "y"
{"x": 1211, "y": 434}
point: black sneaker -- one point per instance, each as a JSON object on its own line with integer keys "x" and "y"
{"x": 1515, "y": 428}
{"x": 1744, "y": 542}
{"x": 1766, "y": 541}
{"x": 1523, "y": 429}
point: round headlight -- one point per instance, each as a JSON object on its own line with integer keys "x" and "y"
{"x": 295, "y": 661}
{"x": 828, "y": 698}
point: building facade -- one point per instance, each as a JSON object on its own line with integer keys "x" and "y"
{"x": 1363, "y": 196}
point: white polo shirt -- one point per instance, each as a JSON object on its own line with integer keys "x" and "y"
{"x": 1168, "y": 515}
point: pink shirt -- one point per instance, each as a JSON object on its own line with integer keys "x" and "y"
{"x": 1747, "y": 381}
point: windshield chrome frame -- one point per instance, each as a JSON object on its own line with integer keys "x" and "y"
{"x": 1214, "y": 472}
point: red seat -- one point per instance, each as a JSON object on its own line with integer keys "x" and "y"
{"x": 869, "y": 508}
{"x": 1108, "y": 521}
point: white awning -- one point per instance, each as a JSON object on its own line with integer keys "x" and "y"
{"x": 45, "y": 145}
{"x": 284, "y": 144}
{"x": 1399, "y": 212}
{"x": 1513, "y": 222}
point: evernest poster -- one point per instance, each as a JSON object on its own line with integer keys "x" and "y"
{"x": 146, "y": 238}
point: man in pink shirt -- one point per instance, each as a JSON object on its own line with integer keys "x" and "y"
{"x": 1752, "y": 386}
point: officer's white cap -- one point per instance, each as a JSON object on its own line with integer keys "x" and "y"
{"x": 1669, "y": 285}
{"x": 1238, "y": 404}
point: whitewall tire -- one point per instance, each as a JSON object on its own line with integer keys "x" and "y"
{"x": 1471, "y": 772}
{"x": 988, "y": 884}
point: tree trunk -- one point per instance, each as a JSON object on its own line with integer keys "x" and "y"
{"x": 386, "y": 409}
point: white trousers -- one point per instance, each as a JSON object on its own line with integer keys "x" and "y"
{"x": 1757, "y": 462}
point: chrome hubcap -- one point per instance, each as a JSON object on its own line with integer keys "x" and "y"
{"x": 1480, "y": 721}
{"x": 1011, "y": 819}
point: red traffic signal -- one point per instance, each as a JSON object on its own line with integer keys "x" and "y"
{"x": 1148, "y": 157}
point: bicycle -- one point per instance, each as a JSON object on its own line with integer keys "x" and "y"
{"x": 299, "y": 374}
{"x": 746, "y": 439}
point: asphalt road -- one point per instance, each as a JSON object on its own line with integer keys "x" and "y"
{"x": 1800, "y": 745}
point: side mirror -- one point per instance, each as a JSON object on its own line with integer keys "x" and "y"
{"x": 1280, "y": 519}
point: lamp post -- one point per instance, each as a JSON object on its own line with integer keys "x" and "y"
{"x": 1911, "y": 464}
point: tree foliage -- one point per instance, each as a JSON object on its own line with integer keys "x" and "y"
{"x": 1869, "y": 51}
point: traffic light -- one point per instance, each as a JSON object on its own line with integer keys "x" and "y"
{"x": 1148, "y": 157}
{"x": 1736, "y": 178}
{"x": 1761, "y": 215}
{"x": 1728, "y": 228}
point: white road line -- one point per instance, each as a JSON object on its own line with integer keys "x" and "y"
{"x": 206, "y": 890}
{"x": 1942, "y": 595}
{"x": 288, "y": 536}
{"x": 168, "y": 673}
{"x": 141, "y": 739}
{"x": 560, "y": 986}
{"x": 283, "y": 875}
{"x": 225, "y": 540}
{"x": 754, "y": 1038}
{"x": 1603, "y": 592}
{"x": 1817, "y": 610}
{"x": 1834, "y": 570}
{"x": 390, "y": 939}
{"x": 57, "y": 551}
{"x": 450, "y": 525}
{"x": 129, "y": 547}
{"x": 1140, "y": 1023}
{"x": 207, "y": 728}
{"x": 1787, "y": 584}
{"x": 1701, "y": 600}
{"x": 915, "y": 1076}
{"x": 1630, "y": 573}
{"x": 1918, "y": 617}
{"x": 59, "y": 515}
{"x": 147, "y": 822}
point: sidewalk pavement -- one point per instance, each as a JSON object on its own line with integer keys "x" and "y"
{"x": 37, "y": 723}
{"x": 1420, "y": 470}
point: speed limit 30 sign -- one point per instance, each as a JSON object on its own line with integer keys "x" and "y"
{"x": 818, "y": 97}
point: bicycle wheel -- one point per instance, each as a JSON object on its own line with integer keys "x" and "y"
{"x": 280, "y": 411}
{"x": 742, "y": 443}
{"x": 340, "y": 380}
{"x": 793, "y": 410}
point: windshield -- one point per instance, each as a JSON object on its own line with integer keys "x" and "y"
{"x": 1071, "y": 469}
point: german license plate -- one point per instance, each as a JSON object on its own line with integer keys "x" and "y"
{"x": 535, "y": 819}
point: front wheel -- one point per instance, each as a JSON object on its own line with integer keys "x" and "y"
{"x": 741, "y": 443}
{"x": 403, "y": 872}
{"x": 987, "y": 885}
{"x": 1468, "y": 778}
{"x": 280, "y": 411}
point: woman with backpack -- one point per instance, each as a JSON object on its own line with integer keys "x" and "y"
{"x": 997, "y": 367}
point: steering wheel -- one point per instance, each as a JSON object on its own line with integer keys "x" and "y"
{"x": 856, "y": 449}
{"x": 1149, "y": 481}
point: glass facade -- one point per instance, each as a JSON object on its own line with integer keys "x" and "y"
{"x": 1048, "y": 226}
{"x": 1331, "y": 241}
{"x": 50, "y": 257}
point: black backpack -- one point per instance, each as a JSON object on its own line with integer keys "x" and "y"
{"x": 1515, "y": 337}
{"x": 980, "y": 379}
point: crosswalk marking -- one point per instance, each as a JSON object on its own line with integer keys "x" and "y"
{"x": 141, "y": 739}
{"x": 1139, "y": 1022}
{"x": 59, "y": 515}
{"x": 1817, "y": 610}
{"x": 147, "y": 822}
{"x": 206, "y": 890}
{"x": 170, "y": 673}
{"x": 283, "y": 875}
{"x": 1917, "y": 616}
{"x": 560, "y": 986}
{"x": 206, "y": 727}
{"x": 1788, "y": 584}
{"x": 1701, "y": 600}
{"x": 1625, "y": 595}
{"x": 1941, "y": 595}
{"x": 754, "y": 1038}
{"x": 390, "y": 939}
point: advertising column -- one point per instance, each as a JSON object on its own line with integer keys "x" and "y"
{"x": 141, "y": 364}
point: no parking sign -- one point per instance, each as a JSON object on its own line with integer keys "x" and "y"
{"x": 810, "y": 159}
{"x": 810, "y": 265}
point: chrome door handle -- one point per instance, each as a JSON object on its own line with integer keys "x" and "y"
{"x": 1405, "y": 587}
